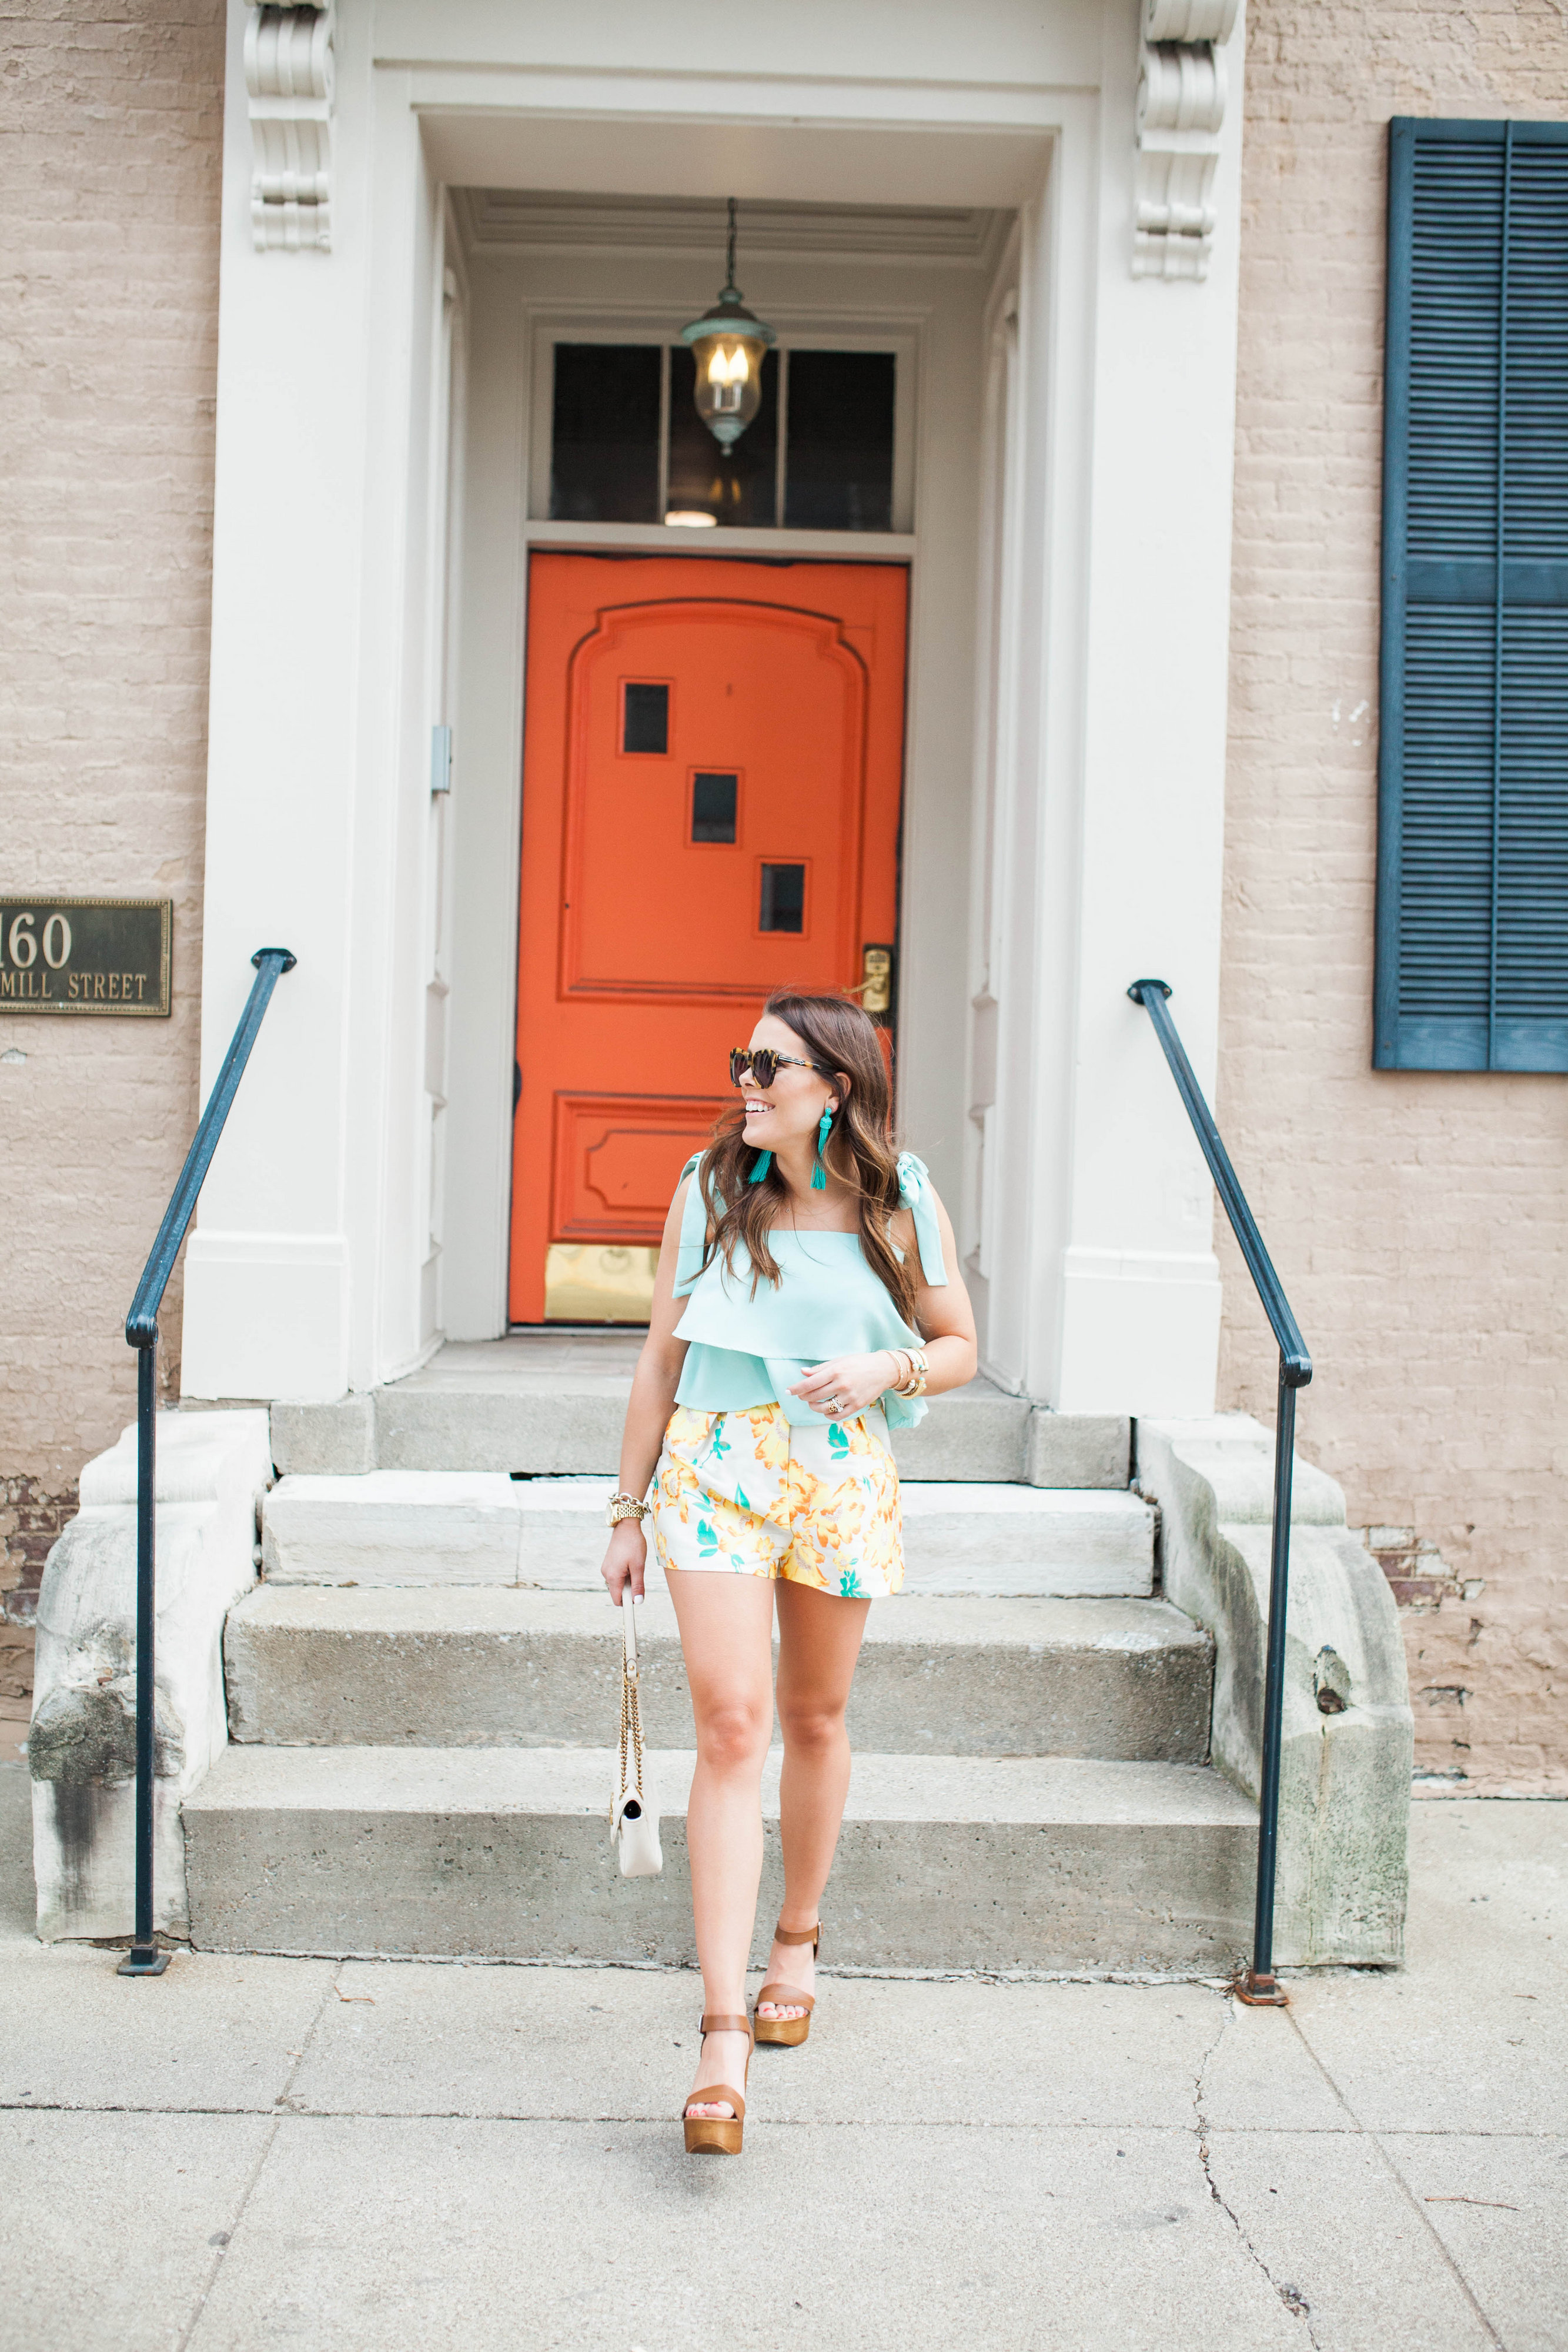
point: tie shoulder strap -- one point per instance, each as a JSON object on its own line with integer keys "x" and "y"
{"x": 915, "y": 1185}
{"x": 693, "y": 1229}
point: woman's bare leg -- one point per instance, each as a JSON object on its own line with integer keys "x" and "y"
{"x": 726, "y": 1636}
{"x": 820, "y": 1639}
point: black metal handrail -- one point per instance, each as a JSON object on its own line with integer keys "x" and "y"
{"x": 144, "y": 1959}
{"x": 1257, "y": 1983}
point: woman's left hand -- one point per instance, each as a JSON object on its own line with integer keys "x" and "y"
{"x": 846, "y": 1385}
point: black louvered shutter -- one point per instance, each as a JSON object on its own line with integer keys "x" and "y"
{"x": 1472, "y": 880}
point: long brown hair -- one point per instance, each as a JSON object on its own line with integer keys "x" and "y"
{"x": 860, "y": 1150}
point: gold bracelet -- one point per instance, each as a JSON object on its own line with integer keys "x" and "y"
{"x": 915, "y": 1385}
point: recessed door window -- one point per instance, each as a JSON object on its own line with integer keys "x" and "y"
{"x": 714, "y": 803}
{"x": 628, "y": 445}
{"x": 783, "y": 899}
{"x": 645, "y": 716}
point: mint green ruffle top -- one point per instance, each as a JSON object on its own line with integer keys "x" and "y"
{"x": 743, "y": 1351}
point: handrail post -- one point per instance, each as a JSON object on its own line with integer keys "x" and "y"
{"x": 1258, "y": 1984}
{"x": 144, "y": 1959}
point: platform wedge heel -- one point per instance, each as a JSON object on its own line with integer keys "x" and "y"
{"x": 787, "y": 2033}
{"x": 717, "y": 2135}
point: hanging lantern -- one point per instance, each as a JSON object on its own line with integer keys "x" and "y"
{"x": 728, "y": 344}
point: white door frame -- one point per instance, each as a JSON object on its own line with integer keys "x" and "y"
{"x": 941, "y": 312}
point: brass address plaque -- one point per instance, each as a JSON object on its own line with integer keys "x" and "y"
{"x": 86, "y": 955}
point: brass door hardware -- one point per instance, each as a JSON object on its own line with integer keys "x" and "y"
{"x": 875, "y": 990}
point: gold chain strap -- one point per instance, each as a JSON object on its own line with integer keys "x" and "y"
{"x": 630, "y": 1716}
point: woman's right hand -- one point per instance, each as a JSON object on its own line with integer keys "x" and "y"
{"x": 625, "y": 1560}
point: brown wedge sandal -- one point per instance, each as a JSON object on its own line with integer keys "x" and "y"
{"x": 790, "y": 2031}
{"x": 717, "y": 2135}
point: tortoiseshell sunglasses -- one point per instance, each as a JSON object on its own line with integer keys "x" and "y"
{"x": 764, "y": 1064}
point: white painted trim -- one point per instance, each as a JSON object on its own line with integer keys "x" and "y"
{"x": 939, "y": 444}
{"x": 994, "y": 45}
{"x": 852, "y": 103}
{"x": 486, "y": 841}
{"x": 673, "y": 538}
{"x": 448, "y": 448}
{"x": 996, "y": 694}
{"x": 524, "y": 220}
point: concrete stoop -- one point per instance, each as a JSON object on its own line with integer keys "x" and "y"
{"x": 420, "y": 1692}
{"x": 946, "y": 1863}
{"x": 1124, "y": 1681}
{"x": 391, "y": 1528}
{"x": 552, "y": 1403}
{"x": 408, "y": 1718}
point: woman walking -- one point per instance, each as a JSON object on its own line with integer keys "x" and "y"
{"x": 808, "y": 1298}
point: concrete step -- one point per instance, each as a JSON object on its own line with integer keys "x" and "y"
{"x": 494, "y": 1666}
{"x": 392, "y": 1528}
{"x": 503, "y": 1853}
{"x": 553, "y": 1403}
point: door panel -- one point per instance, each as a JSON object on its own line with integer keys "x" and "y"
{"x": 711, "y": 782}
{"x": 783, "y": 687}
{"x": 612, "y": 1160}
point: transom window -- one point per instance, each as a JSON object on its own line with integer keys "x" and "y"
{"x": 627, "y": 444}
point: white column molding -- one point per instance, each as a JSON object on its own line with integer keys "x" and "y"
{"x": 289, "y": 78}
{"x": 1181, "y": 110}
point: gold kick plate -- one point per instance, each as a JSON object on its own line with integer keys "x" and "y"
{"x": 599, "y": 1285}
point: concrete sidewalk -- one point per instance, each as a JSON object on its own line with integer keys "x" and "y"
{"x": 351, "y": 2158}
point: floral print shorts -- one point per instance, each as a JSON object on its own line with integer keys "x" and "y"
{"x": 751, "y": 1493}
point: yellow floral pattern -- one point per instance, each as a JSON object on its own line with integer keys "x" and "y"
{"x": 751, "y": 1493}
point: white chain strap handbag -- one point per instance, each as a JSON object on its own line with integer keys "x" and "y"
{"x": 633, "y": 1815}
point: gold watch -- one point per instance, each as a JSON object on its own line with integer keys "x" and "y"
{"x": 623, "y": 1507}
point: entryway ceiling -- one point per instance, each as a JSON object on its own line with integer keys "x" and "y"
{"x": 810, "y": 165}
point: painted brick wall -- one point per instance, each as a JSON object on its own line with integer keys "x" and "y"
{"x": 1420, "y": 1222}
{"x": 110, "y": 181}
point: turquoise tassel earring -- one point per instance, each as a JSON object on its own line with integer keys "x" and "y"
{"x": 819, "y": 1174}
{"x": 764, "y": 1161}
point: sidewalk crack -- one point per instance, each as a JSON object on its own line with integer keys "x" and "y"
{"x": 1423, "y": 2217}
{"x": 283, "y": 2105}
{"x": 225, "y": 2237}
{"x": 1294, "y": 2301}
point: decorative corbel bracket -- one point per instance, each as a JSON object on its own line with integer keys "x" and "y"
{"x": 289, "y": 77}
{"x": 1181, "y": 106}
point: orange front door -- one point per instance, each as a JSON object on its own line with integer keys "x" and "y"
{"x": 711, "y": 784}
